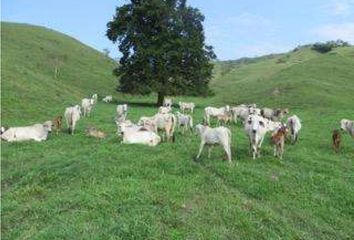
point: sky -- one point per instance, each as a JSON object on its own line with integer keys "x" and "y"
{"x": 235, "y": 28}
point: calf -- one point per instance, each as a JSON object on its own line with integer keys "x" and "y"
{"x": 278, "y": 139}
{"x": 224, "y": 118}
{"x": 93, "y": 132}
{"x": 336, "y": 139}
{"x": 214, "y": 136}
{"x": 184, "y": 121}
{"x": 57, "y": 124}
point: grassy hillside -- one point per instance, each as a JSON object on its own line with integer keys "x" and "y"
{"x": 76, "y": 187}
{"x": 29, "y": 57}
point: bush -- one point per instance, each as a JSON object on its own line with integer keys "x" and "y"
{"x": 328, "y": 46}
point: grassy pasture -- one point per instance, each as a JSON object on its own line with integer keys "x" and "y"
{"x": 76, "y": 187}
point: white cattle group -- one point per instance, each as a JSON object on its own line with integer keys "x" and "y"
{"x": 161, "y": 127}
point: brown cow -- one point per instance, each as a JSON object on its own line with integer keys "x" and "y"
{"x": 278, "y": 139}
{"x": 336, "y": 139}
{"x": 57, "y": 124}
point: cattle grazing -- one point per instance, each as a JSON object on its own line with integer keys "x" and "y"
{"x": 87, "y": 105}
{"x": 347, "y": 126}
{"x": 214, "y": 136}
{"x": 167, "y": 102}
{"x": 107, "y": 99}
{"x": 57, "y": 122}
{"x": 37, "y": 132}
{"x": 210, "y": 112}
{"x": 186, "y": 106}
{"x": 72, "y": 115}
{"x": 294, "y": 125}
{"x": 93, "y": 132}
{"x": 336, "y": 139}
{"x": 184, "y": 121}
{"x": 255, "y": 128}
{"x": 274, "y": 115}
{"x": 278, "y": 139}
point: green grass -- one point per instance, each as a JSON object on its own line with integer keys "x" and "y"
{"x": 76, "y": 187}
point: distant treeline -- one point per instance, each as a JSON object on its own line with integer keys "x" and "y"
{"x": 324, "y": 47}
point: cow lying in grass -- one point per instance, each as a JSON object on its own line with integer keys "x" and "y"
{"x": 134, "y": 134}
{"x": 37, "y": 132}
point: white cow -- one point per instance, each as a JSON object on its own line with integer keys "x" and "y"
{"x": 184, "y": 121}
{"x": 133, "y": 134}
{"x": 167, "y": 102}
{"x": 186, "y": 106}
{"x": 87, "y": 105}
{"x": 72, "y": 115}
{"x": 37, "y": 132}
{"x": 122, "y": 112}
{"x": 214, "y": 112}
{"x": 347, "y": 126}
{"x": 163, "y": 122}
{"x": 274, "y": 115}
{"x": 214, "y": 136}
{"x": 294, "y": 125}
{"x": 255, "y": 128}
{"x": 107, "y": 99}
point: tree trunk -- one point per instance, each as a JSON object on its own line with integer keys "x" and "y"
{"x": 160, "y": 98}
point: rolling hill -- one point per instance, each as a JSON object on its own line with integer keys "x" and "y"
{"x": 76, "y": 187}
{"x": 30, "y": 55}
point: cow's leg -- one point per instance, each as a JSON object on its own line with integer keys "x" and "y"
{"x": 227, "y": 149}
{"x": 200, "y": 149}
{"x": 210, "y": 147}
{"x": 275, "y": 150}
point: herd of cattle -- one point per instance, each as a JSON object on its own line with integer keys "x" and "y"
{"x": 151, "y": 130}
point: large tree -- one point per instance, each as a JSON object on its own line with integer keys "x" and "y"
{"x": 163, "y": 48}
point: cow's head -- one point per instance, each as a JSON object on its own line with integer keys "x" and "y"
{"x": 48, "y": 125}
{"x": 256, "y": 123}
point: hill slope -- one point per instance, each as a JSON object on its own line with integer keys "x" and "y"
{"x": 30, "y": 55}
{"x": 302, "y": 79}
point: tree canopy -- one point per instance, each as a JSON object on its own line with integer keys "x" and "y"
{"x": 163, "y": 48}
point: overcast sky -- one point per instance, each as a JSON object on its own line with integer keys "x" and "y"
{"x": 236, "y": 28}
